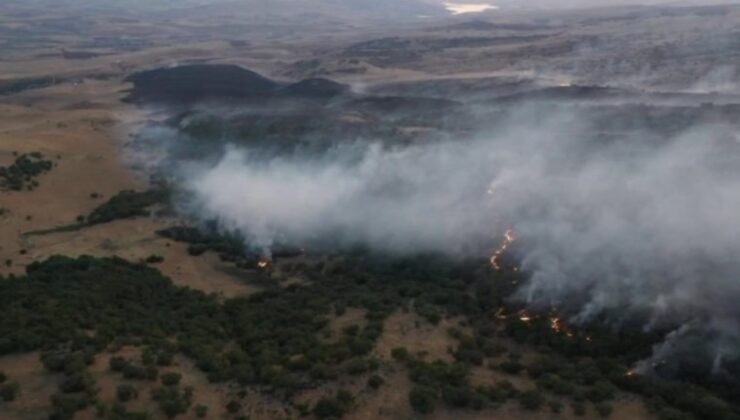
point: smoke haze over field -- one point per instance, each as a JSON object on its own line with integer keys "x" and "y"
{"x": 634, "y": 229}
{"x": 375, "y": 9}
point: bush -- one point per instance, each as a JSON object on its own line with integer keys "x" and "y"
{"x": 9, "y": 391}
{"x": 66, "y": 361}
{"x": 531, "y": 400}
{"x": 101, "y": 410}
{"x": 201, "y": 411}
{"x": 64, "y": 406}
{"x": 154, "y": 259}
{"x": 561, "y": 387}
{"x": 507, "y": 389}
{"x": 438, "y": 374}
{"x": 494, "y": 350}
{"x": 335, "y": 406}
{"x": 165, "y": 358}
{"x": 197, "y": 249}
{"x": 601, "y": 391}
{"x": 126, "y": 393}
{"x": 126, "y": 204}
{"x": 357, "y": 366}
{"x": 579, "y": 408}
{"x": 511, "y": 367}
{"x": 118, "y": 363}
{"x": 555, "y": 406}
{"x": 233, "y": 406}
{"x": 375, "y": 382}
{"x": 77, "y": 382}
{"x": 422, "y": 399}
{"x": 173, "y": 401}
{"x": 673, "y": 414}
{"x": 21, "y": 173}
{"x": 328, "y": 407}
{"x": 604, "y": 409}
{"x": 171, "y": 379}
{"x": 457, "y": 396}
{"x": 131, "y": 371}
{"x": 400, "y": 354}
{"x": 351, "y": 330}
{"x": 498, "y": 393}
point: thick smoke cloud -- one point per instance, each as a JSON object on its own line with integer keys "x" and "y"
{"x": 405, "y": 200}
{"x": 635, "y": 229}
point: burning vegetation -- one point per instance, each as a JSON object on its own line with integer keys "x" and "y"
{"x": 508, "y": 240}
{"x": 264, "y": 263}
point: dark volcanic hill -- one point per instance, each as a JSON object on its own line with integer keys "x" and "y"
{"x": 192, "y": 83}
{"x": 197, "y": 82}
{"x": 315, "y": 88}
{"x": 221, "y": 82}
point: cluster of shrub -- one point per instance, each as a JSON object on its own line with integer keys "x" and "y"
{"x": 127, "y": 204}
{"x": 230, "y": 246}
{"x": 22, "y": 173}
{"x": 124, "y": 205}
{"x": 77, "y": 389}
{"x": 171, "y": 398}
{"x": 275, "y": 340}
{"x": 9, "y": 390}
{"x": 62, "y": 299}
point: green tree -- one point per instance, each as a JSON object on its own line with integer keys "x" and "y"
{"x": 375, "y": 381}
{"x": 9, "y": 391}
{"x": 126, "y": 392}
{"x": 201, "y": 411}
{"x": 531, "y": 400}
{"x": 422, "y": 399}
{"x": 400, "y": 354}
{"x": 171, "y": 378}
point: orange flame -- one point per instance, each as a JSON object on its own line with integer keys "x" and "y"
{"x": 555, "y": 324}
{"x": 263, "y": 264}
{"x": 525, "y": 317}
{"x": 509, "y": 238}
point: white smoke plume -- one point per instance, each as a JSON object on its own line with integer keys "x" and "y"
{"x": 638, "y": 226}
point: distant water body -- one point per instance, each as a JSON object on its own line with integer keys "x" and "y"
{"x": 461, "y": 8}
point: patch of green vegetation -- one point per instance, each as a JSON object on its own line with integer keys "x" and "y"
{"x": 230, "y": 246}
{"x": 9, "y": 391}
{"x": 126, "y": 392}
{"x": 201, "y": 411}
{"x": 11, "y": 87}
{"x": 171, "y": 379}
{"x": 127, "y": 204}
{"x": 172, "y": 400}
{"x": 334, "y": 406}
{"x": 22, "y": 173}
{"x": 124, "y": 205}
{"x": 375, "y": 381}
{"x": 274, "y": 340}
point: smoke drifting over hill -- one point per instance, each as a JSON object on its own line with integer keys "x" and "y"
{"x": 635, "y": 230}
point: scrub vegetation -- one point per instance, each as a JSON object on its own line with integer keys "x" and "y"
{"x": 72, "y": 310}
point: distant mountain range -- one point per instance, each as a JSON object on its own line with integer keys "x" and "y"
{"x": 287, "y": 9}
